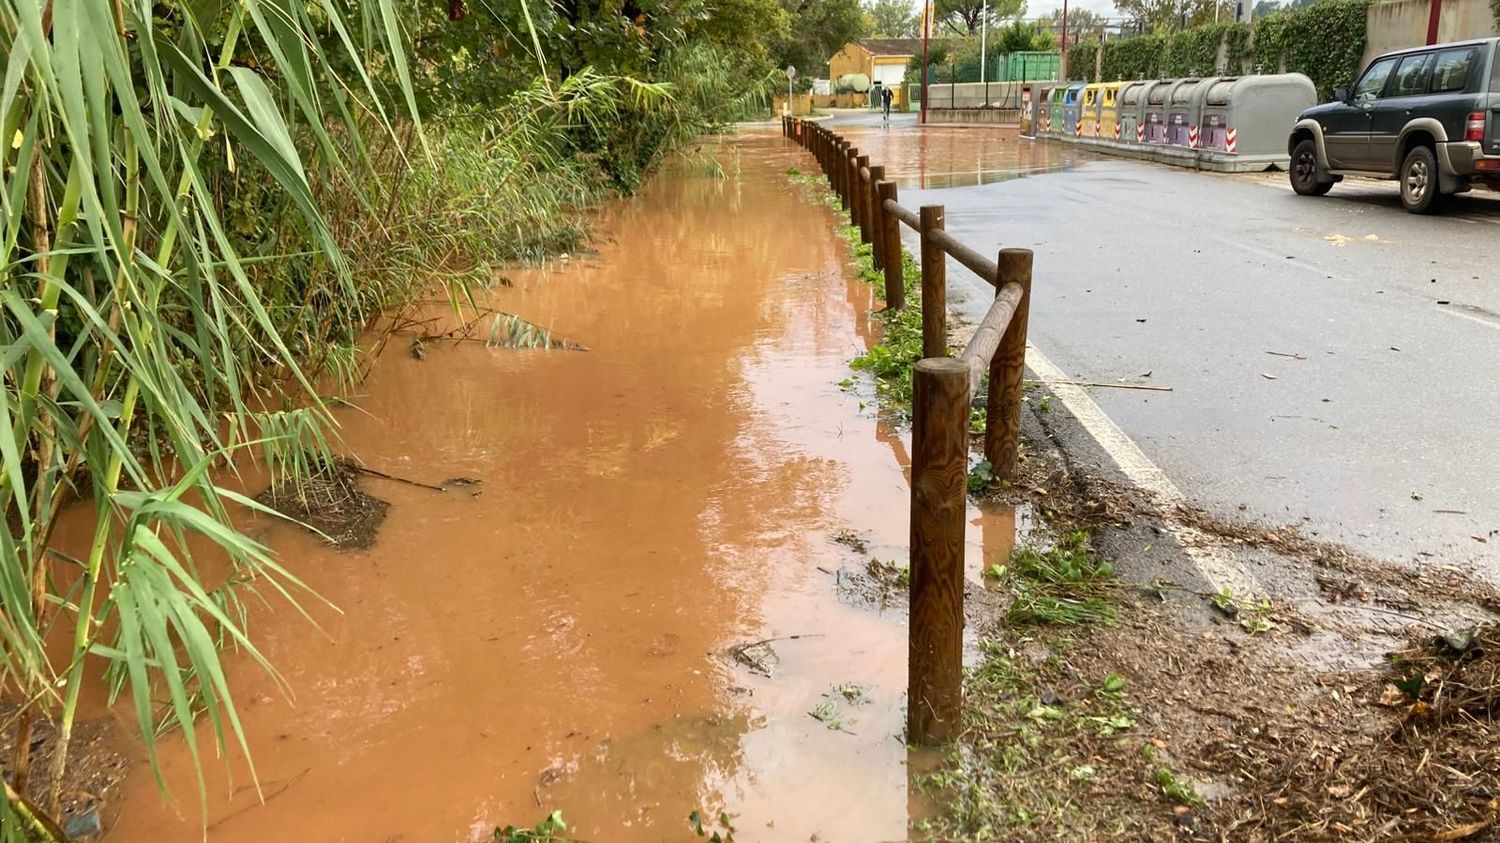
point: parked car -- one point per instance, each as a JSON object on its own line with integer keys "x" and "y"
{"x": 1428, "y": 116}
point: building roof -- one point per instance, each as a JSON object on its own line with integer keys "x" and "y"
{"x": 892, "y": 46}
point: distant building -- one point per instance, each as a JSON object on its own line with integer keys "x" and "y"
{"x": 881, "y": 60}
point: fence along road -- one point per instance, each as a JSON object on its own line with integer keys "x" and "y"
{"x": 943, "y": 388}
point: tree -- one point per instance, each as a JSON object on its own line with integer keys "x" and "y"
{"x": 1174, "y": 14}
{"x": 965, "y": 16}
{"x": 891, "y": 18}
{"x": 818, "y": 29}
{"x": 1082, "y": 23}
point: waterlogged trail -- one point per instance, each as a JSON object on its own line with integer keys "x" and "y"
{"x": 557, "y": 637}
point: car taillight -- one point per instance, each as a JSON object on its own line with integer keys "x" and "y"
{"x": 1475, "y": 127}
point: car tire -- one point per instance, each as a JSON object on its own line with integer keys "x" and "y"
{"x": 1304, "y": 170}
{"x": 1421, "y": 191}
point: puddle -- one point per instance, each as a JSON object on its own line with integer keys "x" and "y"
{"x": 560, "y": 637}
{"x": 958, "y": 157}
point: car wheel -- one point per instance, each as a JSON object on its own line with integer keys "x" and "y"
{"x": 1420, "y": 191}
{"x": 1304, "y": 172}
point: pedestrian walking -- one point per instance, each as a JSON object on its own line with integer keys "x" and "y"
{"x": 885, "y": 100}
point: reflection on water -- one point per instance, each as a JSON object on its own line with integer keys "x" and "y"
{"x": 968, "y": 156}
{"x": 558, "y": 638}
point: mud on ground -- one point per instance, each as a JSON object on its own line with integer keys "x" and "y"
{"x": 95, "y": 765}
{"x": 1354, "y": 700}
{"x": 331, "y": 503}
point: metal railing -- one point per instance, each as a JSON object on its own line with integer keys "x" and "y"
{"x": 943, "y": 389}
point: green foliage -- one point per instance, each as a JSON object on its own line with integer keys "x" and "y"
{"x": 963, "y": 17}
{"x": 1325, "y": 41}
{"x": 1167, "y": 54}
{"x": 815, "y": 32}
{"x": 891, "y": 19}
{"x": 548, "y": 829}
{"x": 1175, "y": 789}
{"x": 981, "y": 476}
{"x": 1061, "y": 584}
{"x": 140, "y": 351}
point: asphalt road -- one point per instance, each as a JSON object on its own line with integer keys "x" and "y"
{"x": 1382, "y": 432}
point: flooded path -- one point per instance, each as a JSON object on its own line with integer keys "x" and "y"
{"x": 560, "y": 637}
{"x": 951, "y": 156}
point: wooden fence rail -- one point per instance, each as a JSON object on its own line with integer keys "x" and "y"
{"x": 943, "y": 389}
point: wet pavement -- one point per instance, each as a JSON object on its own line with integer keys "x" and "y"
{"x": 560, "y": 636}
{"x": 1330, "y": 359}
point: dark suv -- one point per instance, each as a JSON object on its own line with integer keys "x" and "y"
{"x": 1428, "y": 116}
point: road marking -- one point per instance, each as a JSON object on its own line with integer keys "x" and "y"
{"x": 1221, "y": 571}
{"x": 1488, "y": 323}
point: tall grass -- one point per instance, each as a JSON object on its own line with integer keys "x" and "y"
{"x": 135, "y": 341}
{"x": 205, "y": 206}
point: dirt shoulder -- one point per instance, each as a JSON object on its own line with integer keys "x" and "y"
{"x": 1349, "y": 700}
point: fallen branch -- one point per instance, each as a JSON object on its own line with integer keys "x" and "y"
{"x": 263, "y": 800}
{"x": 419, "y": 484}
{"x": 1107, "y": 385}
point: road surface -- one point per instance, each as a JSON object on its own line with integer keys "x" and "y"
{"x": 1332, "y": 361}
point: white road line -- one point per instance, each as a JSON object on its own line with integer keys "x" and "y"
{"x": 1221, "y": 571}
{"x": 1471, "y": 317}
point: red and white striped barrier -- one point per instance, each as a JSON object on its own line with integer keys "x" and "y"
{"x": 1117, "y": 131}
{"x": 1230, "y": 141}
{"x": 1140, "y": 133}
{"x": 1098, "y": 129}
{"x": 1192, "y": 137}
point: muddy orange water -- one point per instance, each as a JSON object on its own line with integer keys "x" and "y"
{"x": 947, "y": 156}
{"x": 559, "y": 639}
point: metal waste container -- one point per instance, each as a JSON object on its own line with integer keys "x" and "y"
{"x": 1071, "y": 101}
{"x": 1043, "y": 106}
{"x": 1108, "y": 121}
{"x": 1088, "y": 110}
{"x": 1131, "y": 119}
{"x": 1154, "y": 112}
{"x": 1058, "y": 125}
{"x": 1252, "y": 115}
{"x": 1184, "y": 107}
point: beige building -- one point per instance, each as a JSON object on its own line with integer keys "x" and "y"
{"x": 880, "y": 60}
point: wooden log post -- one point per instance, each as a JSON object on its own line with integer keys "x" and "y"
{"x": 934, "y": 284}
{"x": 939, "y": 471}
{"x": 836, "y": 168}
{"x": 861, "y": 197}
{"x": 877, "y": 215}
{"x": 851, "y": 178}
{"x": 1002, "y": 430}
{"x": 895, "y": 281}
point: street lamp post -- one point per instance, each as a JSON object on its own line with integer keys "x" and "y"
{"x": 984, "y": 19}
{"x": 791, "y": 74}
{"x": 926, "y": 32}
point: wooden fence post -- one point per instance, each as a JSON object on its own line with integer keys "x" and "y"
{"x": 851, "y": 178}
{"x": 842, "y": 171}
{"x": 877, "y": 215}
{"x": 895, "y": 280}
{"x": 1002, "y": 430}
{"x": 934, "y": 285}
{"x": 861, "y": 197}
{"x": 939, "y": 471}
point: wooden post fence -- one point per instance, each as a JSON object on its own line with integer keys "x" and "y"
{"x": 939, "y": 475}
{"x": 943, "y": 387}
{"x": 934, "y": 285}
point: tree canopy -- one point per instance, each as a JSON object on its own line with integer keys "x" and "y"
{"x": 892, "y": 19}
{"x": 963, "y": 17}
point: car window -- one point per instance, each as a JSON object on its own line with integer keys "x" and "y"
{"x": 1452, "y": 70}
{"x": 1411, "y": 76}
{"x": 1373, "y": 82}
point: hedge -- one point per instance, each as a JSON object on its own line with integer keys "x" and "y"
{"x": 1325, "y": 41}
